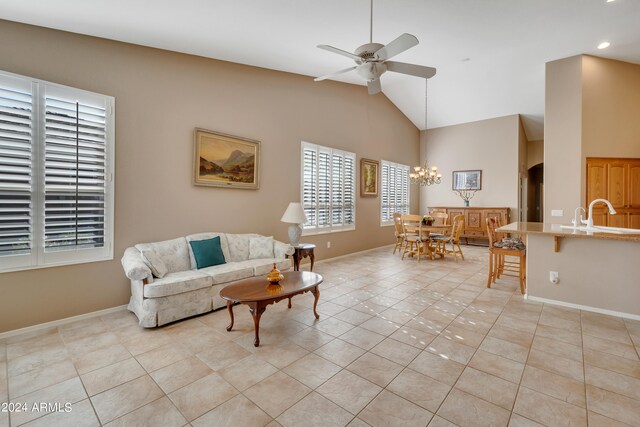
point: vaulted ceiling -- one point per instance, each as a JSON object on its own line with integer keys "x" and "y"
{"x": 490, "y": 54}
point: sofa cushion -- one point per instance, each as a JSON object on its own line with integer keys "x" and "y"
{"x": 209, "y": 235}
{"x": 261, "y": 247}
{"x": 261, "y": 267}
{"x": 168, "y": 256}
{"x": 207, "y": 252}
{"x": 177, "y": 283}
{"x": 239, "y": 246}
{"x": 229, "y": 272}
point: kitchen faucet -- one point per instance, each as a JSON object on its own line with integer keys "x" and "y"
{"x": 575, "y": 221}
{"x": 589, "y": 221}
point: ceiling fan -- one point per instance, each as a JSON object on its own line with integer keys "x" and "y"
{"x": 372, "y": 60}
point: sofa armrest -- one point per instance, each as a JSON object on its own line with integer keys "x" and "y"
{"x": 134, "y": 266}
{"x": 281, "y": 250}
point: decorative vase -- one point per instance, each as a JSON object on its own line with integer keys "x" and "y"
{"x": 274, "y": 277}
{"x": 466, "y": 203}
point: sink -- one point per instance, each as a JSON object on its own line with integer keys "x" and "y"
{"x": 603, "y": 229}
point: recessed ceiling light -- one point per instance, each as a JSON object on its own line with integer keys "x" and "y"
{"x": 610, "y": 1}
{"x": 604, "y": 45}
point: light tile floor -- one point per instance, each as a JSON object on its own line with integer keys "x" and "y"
{"x": 398, "y": 343}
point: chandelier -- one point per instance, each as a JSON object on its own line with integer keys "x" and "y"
{"x": 425, "y": 175}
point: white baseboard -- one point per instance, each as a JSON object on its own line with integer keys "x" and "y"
{"x": 585, "y": 308}
{"x": 62, "y": 321}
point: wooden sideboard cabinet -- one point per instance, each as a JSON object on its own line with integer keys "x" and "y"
{"x": 475, "y": 220}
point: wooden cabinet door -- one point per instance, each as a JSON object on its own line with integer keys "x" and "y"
{"x": 596, "y": 180}
{"x": 621, "y": 219}
{"x": 454, "y": 213}
{"x": 473, "y": 220}
{"x": 617, "y": 184}
{"x": 634, "y": 220}
{"x": 633, "y": 197}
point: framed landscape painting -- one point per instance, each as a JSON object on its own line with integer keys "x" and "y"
{"x": 369, "y": 177}
{"x": 467, "y": 180}
{"x": 226, "y": 161}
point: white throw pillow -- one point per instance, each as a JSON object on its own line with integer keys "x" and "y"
{"x": 155, "y": 262}
{"x": 261, "y": 247}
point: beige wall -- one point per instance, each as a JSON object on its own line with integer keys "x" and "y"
{"x": 161, "y": 97}
{"x": 490, "y": 145}
{"x": 583, "y": 281}
{"x": 591, "y": 110}
{"x": 610, "y": 110}
{"x": 562, "y": 138}
{"x": 535, "y": 153}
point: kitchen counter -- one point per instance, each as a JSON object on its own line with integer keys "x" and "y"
{"x": 555, "y": 230}
{"x": 597, "y": 271}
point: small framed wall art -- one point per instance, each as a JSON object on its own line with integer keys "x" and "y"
{"x": 225, "y": 161}
{"x": 369, "y": 177}
{"x": 467, "y": 180}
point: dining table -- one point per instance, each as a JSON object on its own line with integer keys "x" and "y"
{"x": 427, "y": 232}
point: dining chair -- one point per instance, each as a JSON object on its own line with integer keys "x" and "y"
{"x": 439, "y": 217}
{"x": 452, "y": 238}
{"x": 499, "y": 249}
{"x": 399, "y": 232}
{"x": 416, "y": 239}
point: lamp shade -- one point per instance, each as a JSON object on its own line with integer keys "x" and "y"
{"x": 294, "y": 214}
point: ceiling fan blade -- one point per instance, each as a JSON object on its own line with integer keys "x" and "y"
{"x": 340, "y": 52}
{"x": 374, "y": 86}
{"x": 328, "y": 76}
{"x": 399, "y": 45}
{"x": 411, "y": 69}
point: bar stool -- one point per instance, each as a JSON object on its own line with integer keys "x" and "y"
{"x": 500, "y": 248}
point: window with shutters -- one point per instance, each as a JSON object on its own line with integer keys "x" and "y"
{"x": 328, "y": 189}
{"x": 56, "y": 174}
{"x": 394, "y": 191}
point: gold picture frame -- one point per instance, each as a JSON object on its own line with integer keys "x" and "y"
{"x": 369, "y": 177}
{"x": 227, "y": 161}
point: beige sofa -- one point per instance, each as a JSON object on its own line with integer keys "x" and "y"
{"x": 185, "y": 291}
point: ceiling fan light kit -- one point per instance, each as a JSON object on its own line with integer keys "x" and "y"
{"x": 372, "y": 60}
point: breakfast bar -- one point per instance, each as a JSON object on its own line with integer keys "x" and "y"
{"x": 597, "y": 270}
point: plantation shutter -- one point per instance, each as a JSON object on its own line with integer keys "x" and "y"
{"x": 328, "y": 188}
{"x": 385, "y": 213}
{"x": 16, "y": 165}
{"x": 395, "y": 191}
{"x": 349, "y": 189}
{"x": 310, "y": 185}
{"x": 75, "y": 165}
{"x": 56, "y": 174}
{"x": 337, "y": 189}
{"x": 324, "y": 187}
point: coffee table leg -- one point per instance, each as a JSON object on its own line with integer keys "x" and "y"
{"x": 256, "y": 311}
{"x": 316, "y": 295}
{"x": 230, "y": 308}
{"x": 289, "y": 302}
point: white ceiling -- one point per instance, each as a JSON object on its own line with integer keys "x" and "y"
{"x": 507, "y": 41}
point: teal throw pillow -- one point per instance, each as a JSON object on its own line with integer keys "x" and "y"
{"x": 207, "y": 252}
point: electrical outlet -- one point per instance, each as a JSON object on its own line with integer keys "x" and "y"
{"x": 554, "y": 277}
{"x": 557, "y": 212}
{"x": 328, "y": 245}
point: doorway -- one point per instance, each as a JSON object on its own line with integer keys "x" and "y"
{"x": 535, "y": 193}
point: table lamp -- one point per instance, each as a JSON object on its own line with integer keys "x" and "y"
{"x": 295, "y": 216}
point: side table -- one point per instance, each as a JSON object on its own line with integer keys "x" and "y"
{"x": 303, "y": 250}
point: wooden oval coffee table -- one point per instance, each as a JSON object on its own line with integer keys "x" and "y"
{"x": 257, "y": 293}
